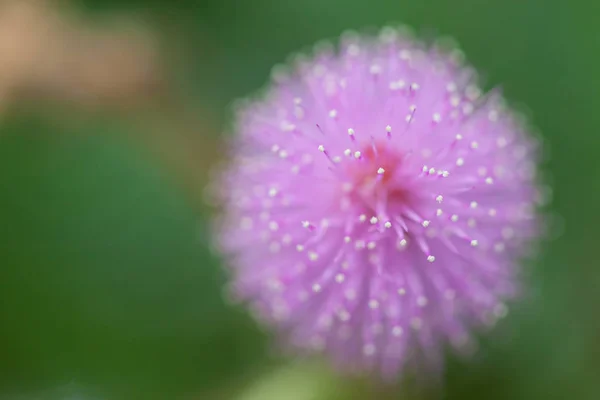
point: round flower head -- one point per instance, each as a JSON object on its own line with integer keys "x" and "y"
{"x": 377, "y": 203}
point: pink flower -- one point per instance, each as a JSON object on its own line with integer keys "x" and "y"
{"x": 377, "y": 203}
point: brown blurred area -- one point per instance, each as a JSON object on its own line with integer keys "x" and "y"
{"x": 48, "y": 50}
{"x": 78, "y": 66}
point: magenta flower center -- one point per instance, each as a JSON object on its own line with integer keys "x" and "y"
{"x": 377, "y": 176}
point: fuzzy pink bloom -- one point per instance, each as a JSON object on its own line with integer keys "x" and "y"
{"x": 377, "y": 203}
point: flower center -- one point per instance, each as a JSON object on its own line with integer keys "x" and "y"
{"x": 377, "y": 174}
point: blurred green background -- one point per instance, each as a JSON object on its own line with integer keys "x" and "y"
{"x": 111, "y": 114}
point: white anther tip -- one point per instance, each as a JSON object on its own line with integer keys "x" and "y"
{"x": 375, "y": 69}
